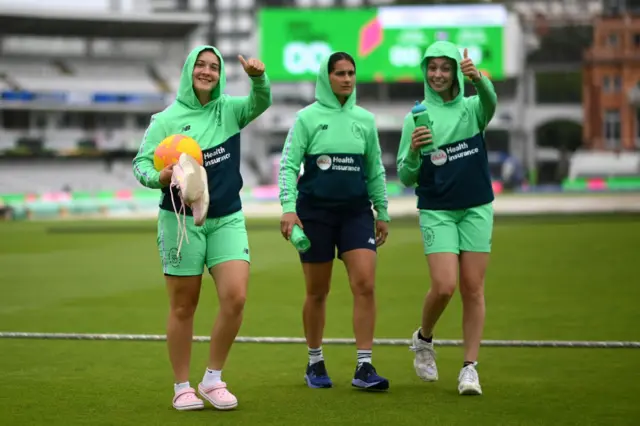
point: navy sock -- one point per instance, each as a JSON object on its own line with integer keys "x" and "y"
{"x": 467, "y": 363}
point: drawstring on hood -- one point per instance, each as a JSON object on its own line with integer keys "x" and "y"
{"x": 448, "y": 50}
{"x": 324, "y": 93}
{"x": 186, "y": 95}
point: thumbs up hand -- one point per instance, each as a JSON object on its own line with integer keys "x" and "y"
{"x": 468, "y": 68}
{"x": 253, "y": 67}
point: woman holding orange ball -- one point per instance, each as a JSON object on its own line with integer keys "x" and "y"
{"x": 210, "y": 193}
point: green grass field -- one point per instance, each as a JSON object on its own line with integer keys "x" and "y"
{"x": 551, "y": 278}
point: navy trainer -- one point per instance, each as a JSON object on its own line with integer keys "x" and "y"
{"x": 316, "y": 376}
{"x": 367, "y": 378}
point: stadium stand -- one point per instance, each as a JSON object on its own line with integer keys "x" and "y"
{"x": 86, "y": 79}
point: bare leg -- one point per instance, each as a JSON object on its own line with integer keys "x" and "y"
{"x": 318, "y": 282}
{"x": 232, "y": 279}
{"x": 184, "y": 293}
{"x": 473, "y": 267}
{"x": 361, "y": 267}
{"x": 443, "y": 268}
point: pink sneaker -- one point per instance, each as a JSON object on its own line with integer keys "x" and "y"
{"x": 186, "y": 400}
{"x": 218, "y": 396}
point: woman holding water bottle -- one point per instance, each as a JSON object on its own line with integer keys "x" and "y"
{"x": 331, "y": 205}
{"x": 443, "y": 153}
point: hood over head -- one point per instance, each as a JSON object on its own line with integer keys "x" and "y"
{"x": 186, "y": 94}
{"x": 448, "y": 50}
{"x": 324, "y": 93}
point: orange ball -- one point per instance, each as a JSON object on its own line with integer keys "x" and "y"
{"x": 169, "y": 151}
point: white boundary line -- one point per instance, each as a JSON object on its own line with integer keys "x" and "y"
{"x": 383, "y": 342}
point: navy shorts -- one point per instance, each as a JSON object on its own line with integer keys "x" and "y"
{"x": 331, "y": 231}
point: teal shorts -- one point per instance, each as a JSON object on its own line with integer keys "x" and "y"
{"x": 453, "y": 231}
{"x": 217, "y": 241}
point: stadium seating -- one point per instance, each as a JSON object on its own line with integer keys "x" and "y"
{"x": 79, "y": 76}
{"x": 44, "y": 176}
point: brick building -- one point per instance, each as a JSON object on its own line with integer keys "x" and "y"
{"x": 611, "y": 84}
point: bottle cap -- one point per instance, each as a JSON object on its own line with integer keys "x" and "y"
{"x": 418, "y": 107}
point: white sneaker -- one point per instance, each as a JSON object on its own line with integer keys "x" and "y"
{"x": 468, "y": 381}
{"x": 425, "y": 359}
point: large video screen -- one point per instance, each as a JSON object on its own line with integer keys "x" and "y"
{"x": 388, "y": 43}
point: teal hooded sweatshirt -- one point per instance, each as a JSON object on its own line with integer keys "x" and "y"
{"x": 341, "y": 153}
{"x": 456, "y": 175}
{"x": 215, "y": 126}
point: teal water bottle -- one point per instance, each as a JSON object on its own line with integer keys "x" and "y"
{"x": 421, "y": 118}
{"x": 299, "y": 239}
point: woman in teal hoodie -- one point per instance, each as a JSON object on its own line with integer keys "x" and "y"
{"x": 343, "y": 174}
{"x": 216, "y": 236}
{"x": 448, "y": 164}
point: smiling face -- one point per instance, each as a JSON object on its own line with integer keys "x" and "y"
{"x": 206, "y": 72}
{"x": 440, "y": 74}
{"x": 342, "y": 78}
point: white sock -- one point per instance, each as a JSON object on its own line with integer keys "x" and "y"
{"x": 212, "y": 377}
{"x": 177, "y": 387}
{"x": 364, "y": 355}
{"x": 315, "y": 355}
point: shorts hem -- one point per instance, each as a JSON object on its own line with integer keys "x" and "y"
{"x": 221, "y": 260}
{"x": 316, "y": 260}
{"x": 442, "y": 250}
{"x": 476, "y": 250}
{"x": 188, "y": 273}
{"x": 373, "y": 249}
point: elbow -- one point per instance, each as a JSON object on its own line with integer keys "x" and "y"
{"x": 141, "y": 180}
{"x": 261, "y": 107}
{"x": 286, "y": 179}
{"x": 490, "y": 113}
{"x": 136, "y": 173}
{"x": 379, "y": 178}
{"x": 407, "y": 179}
{"x": 493, "y": 104}
{"x": 147, "y": 179}
{"x": 266, "y": 105}
{"x": 285, "y": 171}
{"x": 407, "y": 182}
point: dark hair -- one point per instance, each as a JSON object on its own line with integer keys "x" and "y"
{"x": 208, "y": 49}
{"x": 338, "y": 56}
